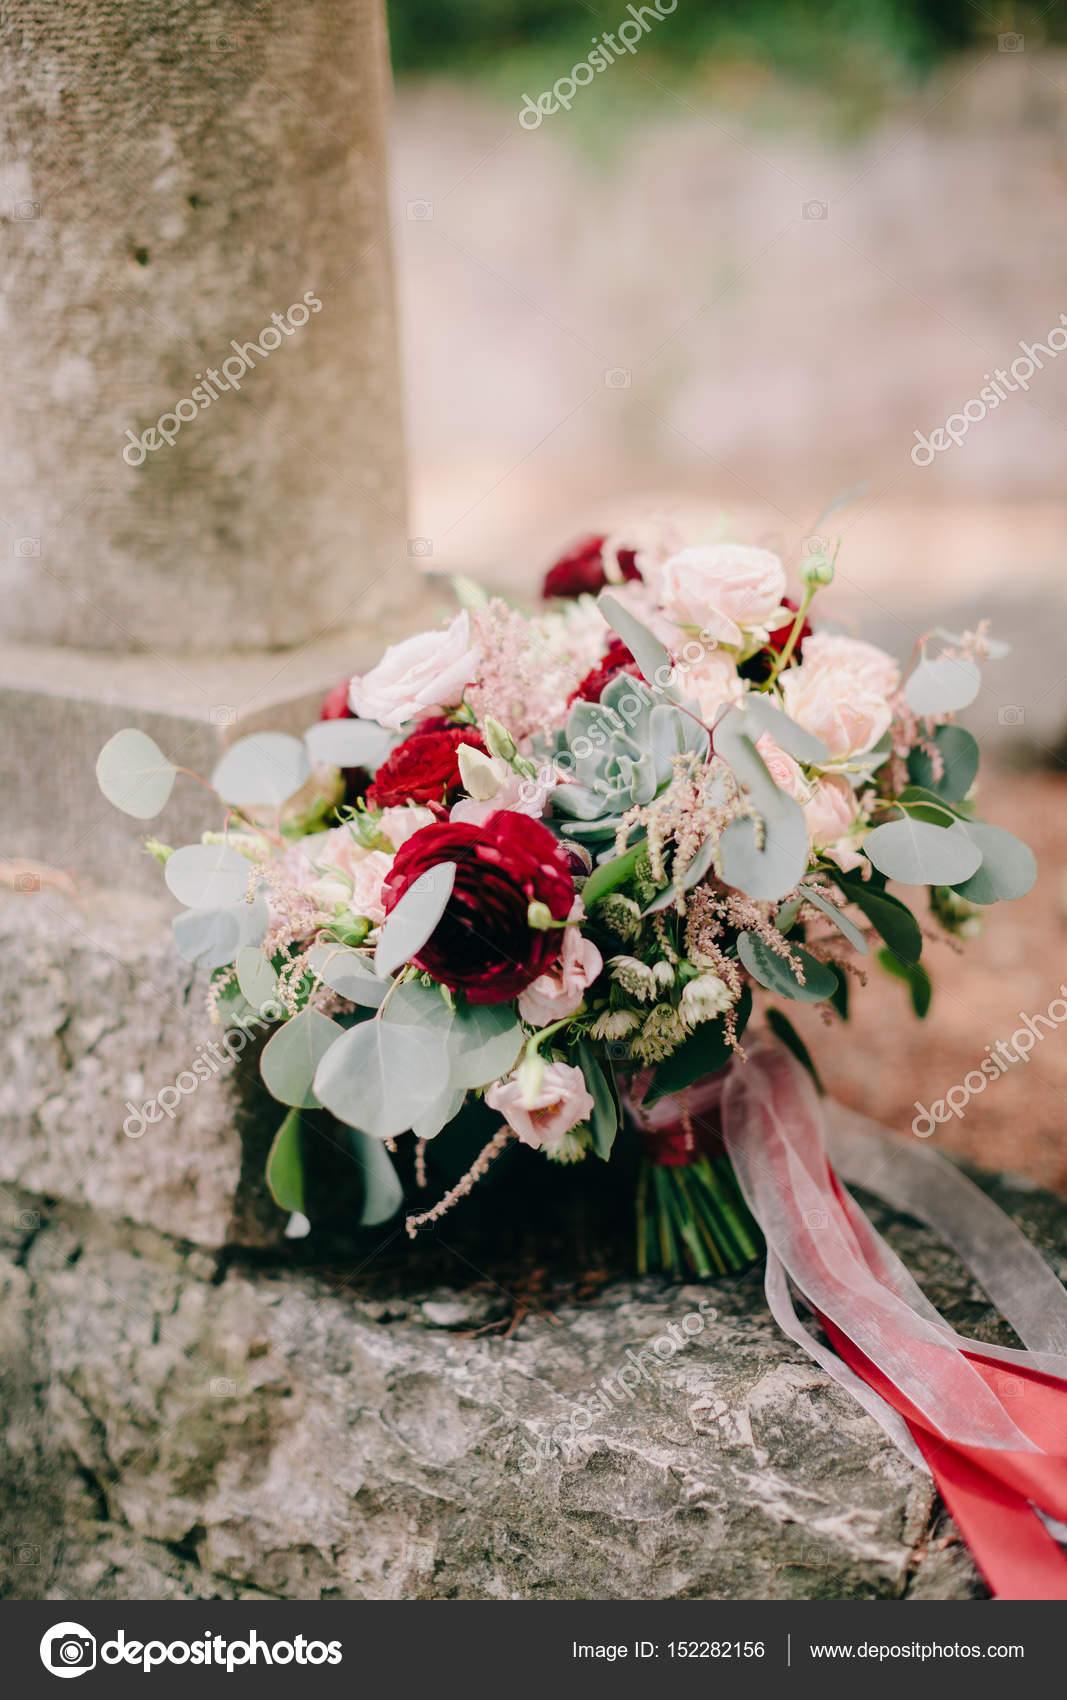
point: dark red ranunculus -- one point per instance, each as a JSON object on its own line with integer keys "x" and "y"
{"x": 483, "y": 944}
{"x": 758, "y": 666}
{"x": 617, "y": 660}
{"x": 335, "y": 706}
{"x": 580, "y": 572}
{"x": 424, "y": 768}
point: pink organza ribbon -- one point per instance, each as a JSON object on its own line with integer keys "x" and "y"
{"x": 989, "y": 1422}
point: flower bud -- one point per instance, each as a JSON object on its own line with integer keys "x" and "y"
{"x": 539, "y": 917}
{"x": 817, "y": 569}
{"x": 481, "y": 774}
{"x": 161, "y": 852}
{"x": 498, "y": 739}
{"x": 529, "y": 1077}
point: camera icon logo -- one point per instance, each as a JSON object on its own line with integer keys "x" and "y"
{"x": 27, "y": 882}
{"x": 1012, "y": 714}
{"x": 222, "y": 714}
{"x": 26, "y": 209}
{"x": 419, "y": 547}
{"x": 420, "y": 209}
{"x": 815, "y": 209}
{"x": 617, "y": 378}
{"x": 25, "y": 547}
{"x": 68, "y": 1649}
{"x": 1011, "y": 43}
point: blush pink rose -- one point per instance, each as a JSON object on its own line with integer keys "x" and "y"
{"x": 345, "y": 872}
{"x": 420, "y": 676}
{"x": 713, "y": 682}
{"x": 399, "y": 822}
{"x": 870, "y": 667}
{"x": 724, "y": 589}
{"x": 838, "y": 703}
{"x": 559, "y": 990}
{"x": 830, "y": 810}
{"x": 782, "y": 768}
{"x": 563, "y": 1101}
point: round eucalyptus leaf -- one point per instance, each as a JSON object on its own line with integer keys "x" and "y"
{"x": 801, "y": 745}
{"x": 767, "y": 871}
{"x": 382, "y": 1192}
{"x": 265, "y": 768}
{"x": 207, "y": 876}
{"x": 382, "y": 1076}
{"x": 410, "y": 923}
{"x": 916, "y": 852}
{"x": 1008, "y": 867}
{"x": 285, "y": 1166}
{"x": 483, "y": 1042}
{"x": 291, "y": 1057}
{"x": 942, "y": 685}
{"x": 777, "y": 974}
{"x": 134, "y": 774}
{"x": 348, "y": 743}
{"x": 255, "y": 976}
{"x": 959, "y": 764}
{"x": 209, "y": 937}
{"x": 349, "y": 973}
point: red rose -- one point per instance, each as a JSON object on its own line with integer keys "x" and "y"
{"x": 336, "y": 706}
{"x": 617, "y": 660}
{"x": 483, "y": 944}
{"x": 425, "y": 767}
{"x": 580, "y": 572}
{"x": 778, "y": 639}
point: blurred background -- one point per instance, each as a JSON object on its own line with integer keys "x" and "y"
{"x": 739, "y": 272}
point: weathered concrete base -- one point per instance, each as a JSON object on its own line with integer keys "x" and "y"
{"x": 180, "y": 1427}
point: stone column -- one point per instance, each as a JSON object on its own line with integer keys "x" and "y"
{"x": 201, "y": 474}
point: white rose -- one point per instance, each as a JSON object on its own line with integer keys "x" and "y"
{"x": 421, "y": 675}
{"x": 724, "y": 589}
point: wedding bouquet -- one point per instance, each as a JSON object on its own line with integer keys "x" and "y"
{"x": 559, "y": 862}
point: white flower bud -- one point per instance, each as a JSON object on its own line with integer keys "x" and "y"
{"x": 482, "y": 776}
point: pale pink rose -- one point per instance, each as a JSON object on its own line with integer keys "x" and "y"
{"x": 557, "y": 993}
{"x": 836, "y": 705}
{"x": 713, "y": 682}
{"x": 398, "y": 823}
{"x": 782, "y": 768}
{"x": 344, "y": 871}
{"x": 724, "y": 589}
{"x": 830, "y": 810}
{"x": 518, "y": 795}
{"x": 421, "y": 675}
{"x": 563, "y": 1101}
{"x": 870, "y": 667}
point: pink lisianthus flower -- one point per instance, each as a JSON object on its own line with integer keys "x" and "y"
{"x": 562, "y": 1101}
{"x": 422, "y": 675}
{"x": 558, "y": 992}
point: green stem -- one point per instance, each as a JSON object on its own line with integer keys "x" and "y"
{"x": 792, "y": 639}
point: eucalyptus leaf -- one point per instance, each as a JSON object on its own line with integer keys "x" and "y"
{"x": 285, "y": 1168}
{"x": 382, "y": 1192}
{"x": 484, "y": 1041}
{"x": 348, "y": 743}
{"x": 292, "y": 1055}
{"x": 916, "y": 852}
{"x": 768, "y": 717}
{"x": 349, "y": 973}
{"x": 941, "y": 686}
{"x": 207, "y": 876}
{"x": 604, "y": 1120}
{"x": 891, "y": 919}
{"x": 840, "y": 920}
{"x": 134, "y": 774}
{"x": 445, "y": 1107}
{"x": 412, "y": 921}
{"x": 266, "y": 768}
{"x": 256, "y": 976}
{"x": 769, "y": 870}
{"x": 1008, "y": 868}
{"x": 382, "y": 1076}
{"x": 212, "y": 937}
{"x": 777, "y": 974}
{"x": 959, "y": 757}
{"x": 916, "y": 796}
{"x": 646, "y": 649}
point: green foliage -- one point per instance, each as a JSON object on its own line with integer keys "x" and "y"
{"x": 705, "y": 1050}
{"x": 777, "y": 974}
{"x": 915, "y": 978}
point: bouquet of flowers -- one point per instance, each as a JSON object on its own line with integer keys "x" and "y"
{"x": 559, "y": 861}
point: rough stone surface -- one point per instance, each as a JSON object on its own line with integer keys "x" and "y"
{"x": 185, "y": 1426}
{"x": 99, "y": 1012}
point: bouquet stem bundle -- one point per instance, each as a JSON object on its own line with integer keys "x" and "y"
{"x": 692, "y": 1220}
